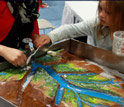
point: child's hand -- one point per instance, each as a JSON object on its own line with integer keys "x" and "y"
{"x": 14, "y": 56}
{"x": 41, "y": 40}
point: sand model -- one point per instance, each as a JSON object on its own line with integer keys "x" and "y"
{"x": 63, "y": 80}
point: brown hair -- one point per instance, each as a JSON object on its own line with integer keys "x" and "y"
{"x": 116, "y": 9}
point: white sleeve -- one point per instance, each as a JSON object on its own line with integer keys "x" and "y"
{"x": 84, "y": 28}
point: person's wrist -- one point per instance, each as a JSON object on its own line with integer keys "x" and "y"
{"x": 48, "y": 45}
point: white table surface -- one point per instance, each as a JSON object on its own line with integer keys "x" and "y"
{"x": 82, "y": 10}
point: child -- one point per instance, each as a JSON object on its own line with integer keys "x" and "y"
{"x": 17, "y": 21}
{"x": 110, "y": 19}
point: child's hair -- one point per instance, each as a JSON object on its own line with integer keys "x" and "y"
{"x": 116, "y": 9}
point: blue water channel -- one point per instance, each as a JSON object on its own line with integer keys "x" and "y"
{"x": 76, "y": 89}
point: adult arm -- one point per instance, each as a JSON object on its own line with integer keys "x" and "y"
{"x": 14, "y": 56}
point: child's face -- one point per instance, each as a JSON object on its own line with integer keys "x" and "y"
{"x": 104, "y": 14}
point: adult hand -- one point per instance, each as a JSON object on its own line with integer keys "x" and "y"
{"x": 41, "y": 40}
{"x": 14, "y": 56}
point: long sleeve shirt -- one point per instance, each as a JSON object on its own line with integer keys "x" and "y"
{"x": 7, "y": 21}
{"x": 84, "y": 28}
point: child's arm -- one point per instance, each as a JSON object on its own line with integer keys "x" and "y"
{"x": 85, "y": 28}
